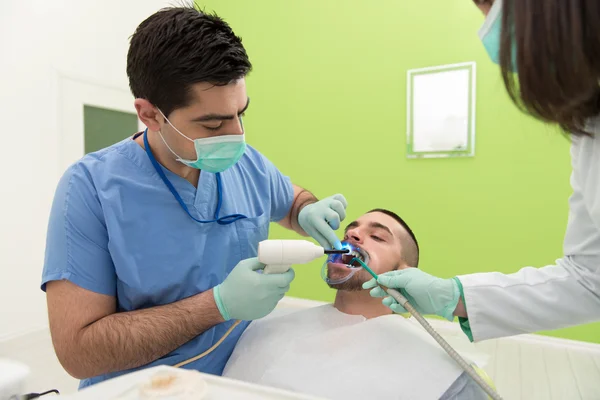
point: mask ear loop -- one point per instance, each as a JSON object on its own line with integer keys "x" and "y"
{"x": 169, "y": 147}
{"x": 490, "y": 19}
{"x": 173, "y": 126}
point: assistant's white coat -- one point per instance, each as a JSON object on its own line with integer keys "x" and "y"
{"x": 555, "y": 296}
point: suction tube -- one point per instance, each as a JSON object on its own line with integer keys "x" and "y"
{"x": 441, "y": 341}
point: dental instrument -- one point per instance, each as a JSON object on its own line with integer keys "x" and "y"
{"x": 346, "y": 261}
{"x": 451, "y": 352}
{"x": 278, "y": 256}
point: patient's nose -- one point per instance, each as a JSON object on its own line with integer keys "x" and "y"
{"x": 355, "y": 235}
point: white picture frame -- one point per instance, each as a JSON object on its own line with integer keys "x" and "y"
{"x": 441, "y": 111}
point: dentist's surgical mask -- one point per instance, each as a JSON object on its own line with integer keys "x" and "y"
{"x": 491, "y": 34}
{"x": 213, "y": 154}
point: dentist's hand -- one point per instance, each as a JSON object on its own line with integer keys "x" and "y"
{"x": 427, "y": 294}
{"x": 322, "y": 218}
{"x": 247, "y": 294}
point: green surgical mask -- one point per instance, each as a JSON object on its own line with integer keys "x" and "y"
{"x": 214, "y": 154}
{"x": 491, "y": 34}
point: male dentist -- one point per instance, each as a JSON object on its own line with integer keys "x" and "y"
{"x": 151, "y": 241}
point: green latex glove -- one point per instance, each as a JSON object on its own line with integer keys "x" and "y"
{"x": 247, "y": 294}
{"x": 427, "y": 294}
{"x": 321, "y": 219}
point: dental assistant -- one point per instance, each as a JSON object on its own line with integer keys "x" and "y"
{"x": 554, "y": 47}
{"x": 151, "y": 244}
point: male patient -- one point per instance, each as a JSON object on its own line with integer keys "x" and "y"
{"x": 355, "y": 348}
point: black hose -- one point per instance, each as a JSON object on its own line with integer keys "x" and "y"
{"x": 30, "y": 396}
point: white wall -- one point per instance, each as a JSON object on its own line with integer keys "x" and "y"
{"x": 41, "y": 40}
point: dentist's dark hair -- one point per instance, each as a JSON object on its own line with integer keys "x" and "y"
{"x": 557, "y": 57}
{"x": 410, "y": 245}
{"x": 178, "y": 47}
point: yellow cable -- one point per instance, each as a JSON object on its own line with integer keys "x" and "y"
{"x": 207, "y": 352}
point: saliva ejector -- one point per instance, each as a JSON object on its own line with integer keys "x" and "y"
{"x": 438, "y": 338}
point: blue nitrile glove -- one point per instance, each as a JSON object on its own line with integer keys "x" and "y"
{"x": 427, "y": 294}
{"x": 247, "y": 294}
{"x": 321, "y": 219}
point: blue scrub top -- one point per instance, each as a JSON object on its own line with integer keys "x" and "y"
{"x": 116, "y": 229}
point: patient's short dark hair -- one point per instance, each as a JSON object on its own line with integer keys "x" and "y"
{"x": 410, "y": 246}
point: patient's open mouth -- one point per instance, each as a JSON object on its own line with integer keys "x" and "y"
{"x": 349, "y": 259}
{"x": 341, "y": 267}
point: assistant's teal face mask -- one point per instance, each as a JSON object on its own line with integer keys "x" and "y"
{"x": 491, "y": 34}
{"x": 214, "y": 154}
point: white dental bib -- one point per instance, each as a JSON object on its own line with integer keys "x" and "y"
{"x": 324, "y": 352}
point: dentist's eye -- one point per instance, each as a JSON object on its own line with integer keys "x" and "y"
{"x": 213, "y": 128}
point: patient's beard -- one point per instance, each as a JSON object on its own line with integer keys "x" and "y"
{"x": 353, "y": 284}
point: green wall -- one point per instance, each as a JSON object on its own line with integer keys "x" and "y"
{"x": 103, "y": 127}
{"x": 329, "y": 109}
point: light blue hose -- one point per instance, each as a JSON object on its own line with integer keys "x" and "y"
{"x": 451, "y": 352}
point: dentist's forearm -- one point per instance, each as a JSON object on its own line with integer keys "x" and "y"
{"x": 302, "y": 198}
{"x": 127, "y": 340}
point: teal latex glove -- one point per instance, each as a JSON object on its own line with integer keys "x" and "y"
{"x": 321, "y": 219}
{"x": 247, "y": 294}
{"x": 427, "y": 294}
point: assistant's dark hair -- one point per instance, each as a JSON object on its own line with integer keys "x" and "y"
{"x": 557, "y": 58}
{"x": 410, "y": 245}
{"x": 178, "y": 47}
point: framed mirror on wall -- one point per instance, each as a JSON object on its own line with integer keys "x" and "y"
{"x": 441, "y": 111}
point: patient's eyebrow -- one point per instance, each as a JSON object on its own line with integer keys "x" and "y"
{"x": 377, "y": 225}
{"x": 374, "y": 225}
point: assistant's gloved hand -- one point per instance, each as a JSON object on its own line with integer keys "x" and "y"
{"x": 427, "y": 294}
{"x": 322, "y": 218}
{"x": 247, "y": 294}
